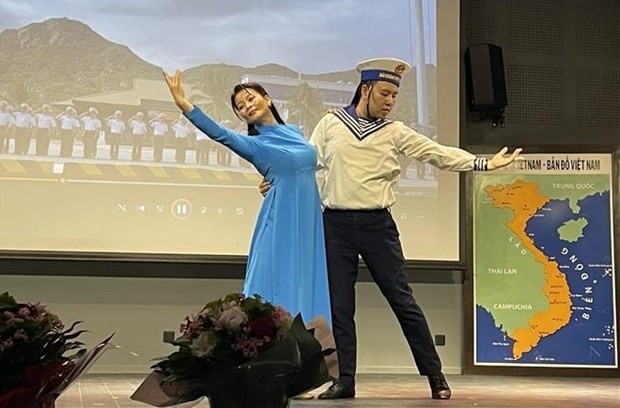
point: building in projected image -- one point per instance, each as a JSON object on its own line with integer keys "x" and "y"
{"x": 299, "y": 101}
{"x": 144, "y": 95}
{"x": 152, "y": 96}
{"x": 304, "y": 101}
{"x": 281, "y": 89}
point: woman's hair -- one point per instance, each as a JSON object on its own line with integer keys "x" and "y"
{"x": 252, "y": 131}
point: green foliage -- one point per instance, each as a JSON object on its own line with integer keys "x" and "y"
{"x": 243, "y": 346}
{"x": 31, "y": 336}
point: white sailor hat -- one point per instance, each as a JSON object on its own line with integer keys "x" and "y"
{"x": 383, "y": 69}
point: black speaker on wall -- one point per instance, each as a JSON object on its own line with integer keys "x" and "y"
{"x": 485, "y": 81}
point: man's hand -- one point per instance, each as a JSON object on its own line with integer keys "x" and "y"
{"x": 263, "y": 187}
{"x": 500, "y": 160}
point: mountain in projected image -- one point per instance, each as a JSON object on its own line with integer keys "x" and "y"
{"x": 60, "y": 59}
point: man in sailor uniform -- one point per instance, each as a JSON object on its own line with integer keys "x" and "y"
{"x": 358, "y": 148}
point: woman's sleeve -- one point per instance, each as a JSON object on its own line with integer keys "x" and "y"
{"x": 244, "y": 146}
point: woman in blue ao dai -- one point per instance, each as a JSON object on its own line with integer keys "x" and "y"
{"x": 286, "y": 262}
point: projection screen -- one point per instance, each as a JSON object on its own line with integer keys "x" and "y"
{"x": 95, "y": 158}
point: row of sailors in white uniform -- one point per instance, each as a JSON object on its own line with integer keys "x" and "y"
{"x": 24, "y": 124}
{"x": 70, "y": 121}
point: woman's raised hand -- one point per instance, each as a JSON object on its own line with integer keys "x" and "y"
{"x": 175, "y": 84}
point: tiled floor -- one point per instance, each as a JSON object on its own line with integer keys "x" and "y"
{"x": 382, "y": 391}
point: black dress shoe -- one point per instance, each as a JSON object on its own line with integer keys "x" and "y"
{"x": 439, "y": 387}
{"x": 338, "y": 391}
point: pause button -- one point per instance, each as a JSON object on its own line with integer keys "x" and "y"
{"x": 181, "y": 209}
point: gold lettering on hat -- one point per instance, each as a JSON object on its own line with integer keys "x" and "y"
{"x": 388, "y": 76}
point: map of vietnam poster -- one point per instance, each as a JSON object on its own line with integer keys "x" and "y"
{"x": 544, "y": 279}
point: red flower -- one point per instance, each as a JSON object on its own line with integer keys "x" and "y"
{"x": 23, "y": 397}
{"x": 47, "y": 376}
{"x": 262, "y": 327}
{"x": 39, "y": 381}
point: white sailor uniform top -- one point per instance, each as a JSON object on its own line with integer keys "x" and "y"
{"x": 360, "y": 158}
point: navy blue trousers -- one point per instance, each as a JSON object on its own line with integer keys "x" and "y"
{"x": 373, "y": 235}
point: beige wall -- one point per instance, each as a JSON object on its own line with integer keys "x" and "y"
{"x": 140, "y": 309}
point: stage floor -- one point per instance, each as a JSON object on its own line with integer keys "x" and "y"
{"x": 382, "y": 391}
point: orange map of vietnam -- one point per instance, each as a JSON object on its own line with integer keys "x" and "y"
{"x": 524, "y": 200}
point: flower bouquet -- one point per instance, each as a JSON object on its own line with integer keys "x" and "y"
{"x": 238, "y": 352}
{"x": 39, "y": 358}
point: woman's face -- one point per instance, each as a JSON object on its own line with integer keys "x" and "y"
{"x": 252, "y": 107}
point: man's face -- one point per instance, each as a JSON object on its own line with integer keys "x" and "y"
{"x": 381, "y": 97}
